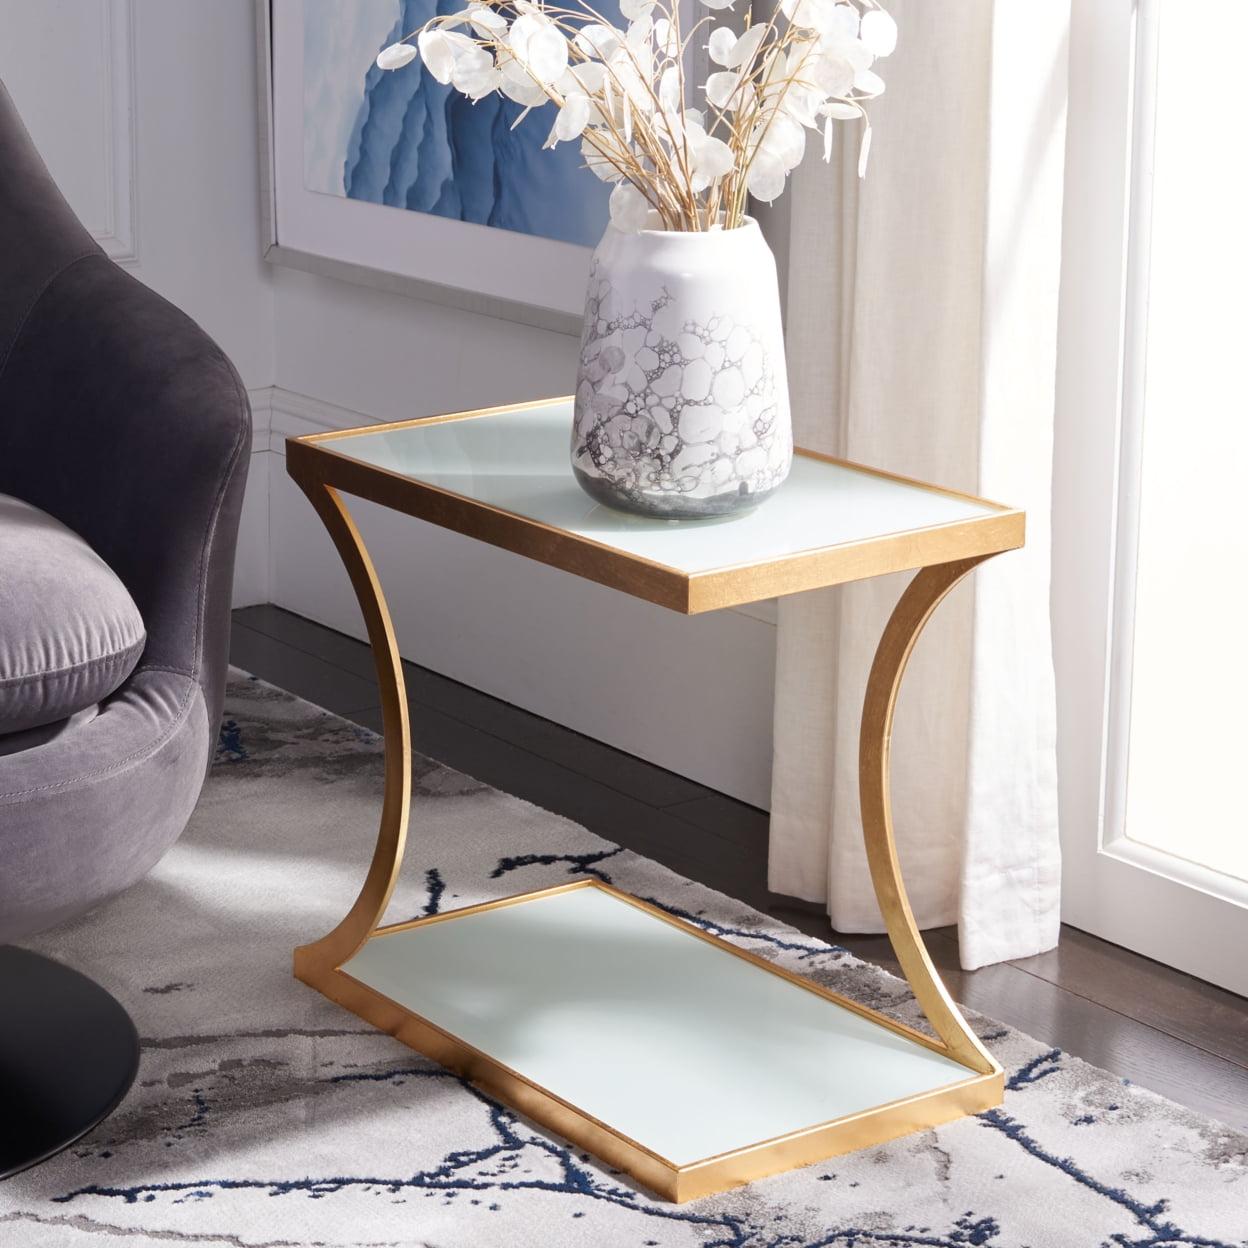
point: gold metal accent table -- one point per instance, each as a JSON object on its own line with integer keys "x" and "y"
{"x": 831, "y": 1075}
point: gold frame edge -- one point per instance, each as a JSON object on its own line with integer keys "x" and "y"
{"x": 670, "y": 1180}
{"x": 313, "y": 460}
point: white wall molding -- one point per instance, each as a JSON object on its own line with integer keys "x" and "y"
{"x": 70, "y": 65}
{"x": 120, "y": 233}
{"x": 294, "y": 415}
{"x": 276, "y": 414}
{"x": 261, "y": 399}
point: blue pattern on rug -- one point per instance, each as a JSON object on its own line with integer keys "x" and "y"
{"x": 1038, "y": 1068}
{"x": 436, "y": 886}
{"x": 968, "y": 1231}
{"x": 230, "y": 747}
{"x": 730, "y": 1232}
{"x": 585, "y": 864}
{"x": 1161, "y": 1233}
{"x": 1073, "y": 1160}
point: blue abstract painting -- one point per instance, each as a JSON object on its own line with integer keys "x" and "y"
{"x": 405, "y": 140}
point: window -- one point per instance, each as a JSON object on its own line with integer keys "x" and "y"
{"x": 1185, "y": 440}
{"x": 1150, "y": 549}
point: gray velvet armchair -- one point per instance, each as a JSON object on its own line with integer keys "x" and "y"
{"x": 124, "y": 443}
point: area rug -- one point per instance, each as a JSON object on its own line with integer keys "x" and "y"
{"x": 266, "y": 1117}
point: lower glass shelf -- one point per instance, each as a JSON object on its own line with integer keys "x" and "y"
{"x": 676, "y": 1056}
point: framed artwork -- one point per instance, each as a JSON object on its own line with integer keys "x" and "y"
{"x": 397, "y": 181}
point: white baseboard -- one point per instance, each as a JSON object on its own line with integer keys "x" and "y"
{"x": 692, "y": 694}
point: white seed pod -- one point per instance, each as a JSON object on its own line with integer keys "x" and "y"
{"x": 396, "y": 56}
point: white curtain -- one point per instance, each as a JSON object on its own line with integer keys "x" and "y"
{"x": 922, "y": 320}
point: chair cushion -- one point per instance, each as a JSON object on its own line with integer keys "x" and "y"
{"x": 70, "y": 633}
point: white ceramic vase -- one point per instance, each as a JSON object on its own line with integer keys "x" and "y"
{"x": 682, "y": 399}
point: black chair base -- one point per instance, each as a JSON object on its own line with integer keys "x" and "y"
{"x": 68, "y": 1055}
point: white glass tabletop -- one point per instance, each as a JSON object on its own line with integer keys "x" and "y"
{"x": 517, "y": 461}
{"x": 674, "y": 1042}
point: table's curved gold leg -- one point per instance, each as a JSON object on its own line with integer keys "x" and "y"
{"x": 331, "y": 951}
{"x": 912, "y": 612}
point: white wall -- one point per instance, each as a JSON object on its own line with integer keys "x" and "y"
{"x": 692, "y": 694}
{"x": 145, "y": 112}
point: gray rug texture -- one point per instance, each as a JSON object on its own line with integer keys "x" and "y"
{"x": 266, "y": 1117}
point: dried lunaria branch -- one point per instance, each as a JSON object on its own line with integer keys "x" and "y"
{"x": 622, "y": 93}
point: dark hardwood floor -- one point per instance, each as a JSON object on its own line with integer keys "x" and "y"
{"x": 1145, "y": 1022}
